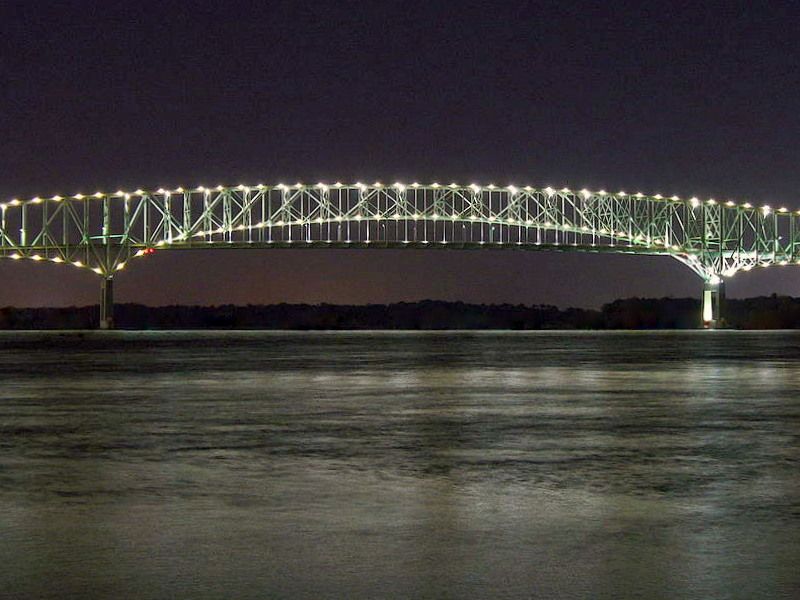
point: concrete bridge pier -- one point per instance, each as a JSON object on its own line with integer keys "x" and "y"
{"x": 713, "y": 303}
{"x": 107, "y": 304}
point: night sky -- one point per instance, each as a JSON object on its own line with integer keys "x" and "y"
{"x": 679, "y": 98}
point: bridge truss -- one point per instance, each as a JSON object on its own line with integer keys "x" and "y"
{"x": 102, "y": 232}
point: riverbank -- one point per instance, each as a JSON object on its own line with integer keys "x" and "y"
{"x": 770, "y": 312}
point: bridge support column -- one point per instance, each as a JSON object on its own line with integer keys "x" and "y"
{"x": 713, "y": 302}
{"x": 107, "y": 304}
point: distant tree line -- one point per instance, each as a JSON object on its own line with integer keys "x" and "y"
{"x": 772, "y": 312}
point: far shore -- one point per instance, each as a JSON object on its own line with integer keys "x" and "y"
{"x": 766, "y": 312}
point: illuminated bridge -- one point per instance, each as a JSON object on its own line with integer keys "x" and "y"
{"x": 102, "y": 232}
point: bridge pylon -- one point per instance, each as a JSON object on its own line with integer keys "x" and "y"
{"x": 713, "y": 303}
{"x": 107, "y": 303}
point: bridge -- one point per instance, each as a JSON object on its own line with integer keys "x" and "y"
{"x": 103, "y": 232}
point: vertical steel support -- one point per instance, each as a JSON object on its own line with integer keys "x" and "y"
{"x": 107, "y": 304}
{"x": 713, "y": 303}
{"x": 24, "y": 229}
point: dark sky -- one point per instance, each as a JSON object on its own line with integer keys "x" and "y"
{"x": 679, "y": 98}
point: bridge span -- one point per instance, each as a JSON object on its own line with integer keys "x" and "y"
{"x": 103, "y": 232}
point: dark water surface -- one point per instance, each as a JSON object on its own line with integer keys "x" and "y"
{"x": 433, "y": 465}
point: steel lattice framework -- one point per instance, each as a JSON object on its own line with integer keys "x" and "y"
{"x": 103, "y": 231}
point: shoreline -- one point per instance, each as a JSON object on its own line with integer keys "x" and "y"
{"x": 761, "y": 313}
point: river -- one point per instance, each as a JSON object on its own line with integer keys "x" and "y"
{"x": 400, "y": 465}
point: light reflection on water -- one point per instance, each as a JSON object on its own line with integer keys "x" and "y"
{"x": 252, "y": 464}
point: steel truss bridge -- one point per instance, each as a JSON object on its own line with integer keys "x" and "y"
{"x": 102, "y": 232}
